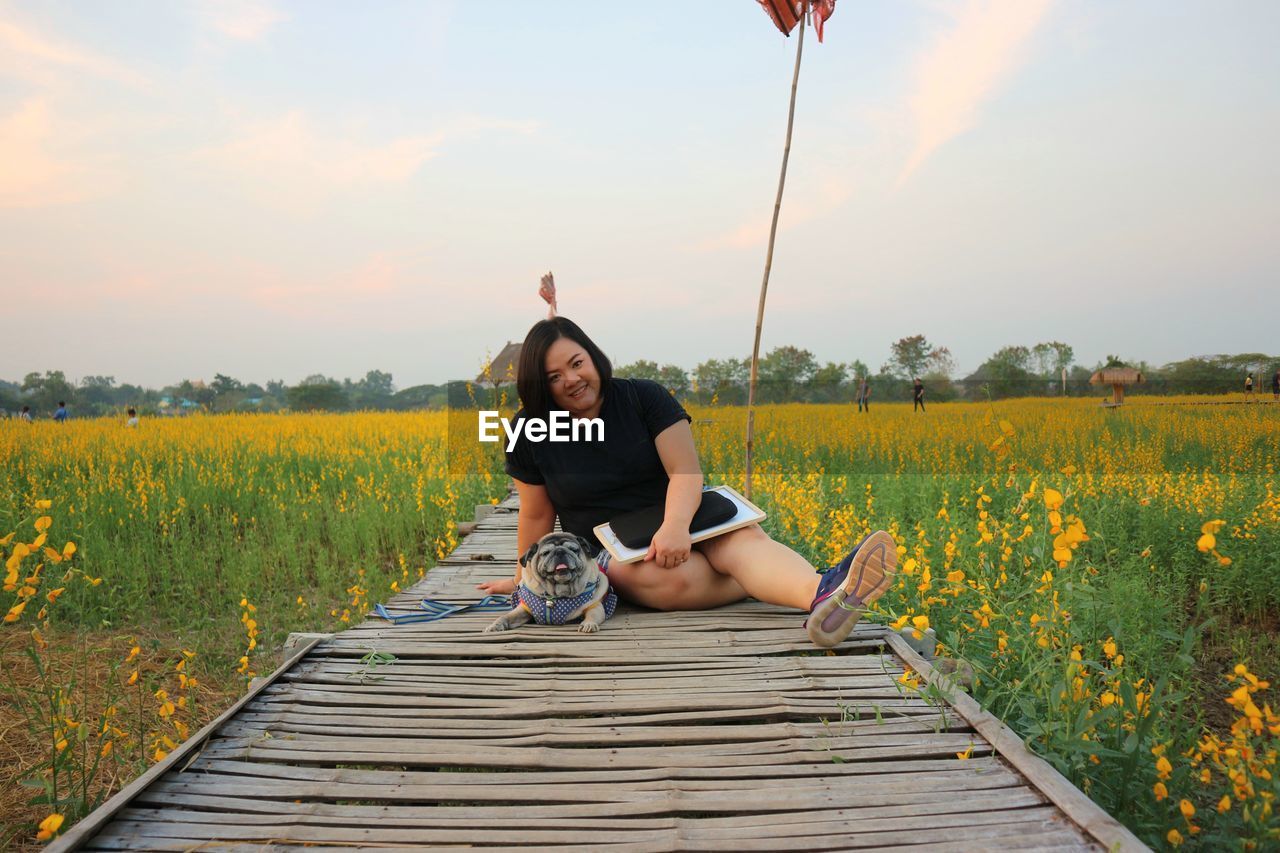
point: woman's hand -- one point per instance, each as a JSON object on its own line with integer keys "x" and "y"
{"x": 670, "y": 546}
{"x": 505, "y": 586}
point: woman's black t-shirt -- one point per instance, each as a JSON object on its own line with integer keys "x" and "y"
{"x": 590, "y": 482}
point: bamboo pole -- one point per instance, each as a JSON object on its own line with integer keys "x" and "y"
{"x": 768, "y": 259}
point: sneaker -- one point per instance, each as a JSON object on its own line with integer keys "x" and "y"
{"x": 845, "y": 590}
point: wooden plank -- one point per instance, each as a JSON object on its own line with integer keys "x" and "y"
{"x": 665, "y": 731}
{"x": 1039, "y": 772}
{"x": 100, "y": 816}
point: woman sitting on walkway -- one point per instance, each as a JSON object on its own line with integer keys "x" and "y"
{"x": 647, "y": 458}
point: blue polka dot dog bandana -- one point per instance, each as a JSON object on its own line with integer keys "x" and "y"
{"x": 561, "y": 611}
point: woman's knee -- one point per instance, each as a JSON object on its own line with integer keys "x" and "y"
{"x": 663, "y": 589}
{"x": 734, "y": 540}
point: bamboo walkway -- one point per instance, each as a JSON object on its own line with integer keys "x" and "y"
{"x": 718, "y": 730}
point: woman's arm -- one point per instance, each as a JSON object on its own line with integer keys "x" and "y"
{"x": 671, "y": 544}
{"x": 537, "y": 518}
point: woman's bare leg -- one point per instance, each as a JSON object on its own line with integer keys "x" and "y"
{"x": 693, "y": 585}
{"x": 769, "y": 571}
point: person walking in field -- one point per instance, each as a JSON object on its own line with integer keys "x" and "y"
{"x": 864, "y": 395}
{"x": 1248, "y": 388}
{"x": 61, "y": 414}
{"x": 917, "y": 395}
{"x": 1275, "y": 385}
{"x": 133, "y": 418}
{"x": 25, "y": 414}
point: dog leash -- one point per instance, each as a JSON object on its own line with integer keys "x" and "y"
{"x": 433, "y": 610}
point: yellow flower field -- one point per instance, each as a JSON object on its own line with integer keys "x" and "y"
{"x": 1112, "y": 577}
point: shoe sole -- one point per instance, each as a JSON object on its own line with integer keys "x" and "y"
{"x": 870, "y": 576}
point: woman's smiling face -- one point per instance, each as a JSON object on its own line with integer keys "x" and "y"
{"x": 572, "y": 378}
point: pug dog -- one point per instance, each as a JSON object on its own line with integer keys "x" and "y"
{"x": 560, "y": 583}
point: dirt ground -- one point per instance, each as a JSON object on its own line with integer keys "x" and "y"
{"x": 88, "y": 658}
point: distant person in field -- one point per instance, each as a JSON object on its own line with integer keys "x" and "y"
{"x": 1275, "y": 385}
{"x": 1248, "y": 387}
{"x": 917, "y": 394}
{"x": 61, "y": 414}
{"x": 133, "y": 418}
{"x": 25, "y": 415}
{"x": 864, "y": 395}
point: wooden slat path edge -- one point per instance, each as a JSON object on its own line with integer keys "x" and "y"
{"x": 1073, "y": 802}
{"x": 188, "y": 750}
{"x": 1074, "y": 805}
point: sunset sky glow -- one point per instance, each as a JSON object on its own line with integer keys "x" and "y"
{"x": 274, "y": 189}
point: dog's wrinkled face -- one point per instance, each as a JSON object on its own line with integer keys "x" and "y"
{"x": 560, "y": 563}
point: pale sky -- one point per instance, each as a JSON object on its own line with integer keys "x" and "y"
{"x": 272, "y": 189}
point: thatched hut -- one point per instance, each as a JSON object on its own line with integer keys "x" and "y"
{"x": 1117, "y": 378}
{"x": 502, "y": 369}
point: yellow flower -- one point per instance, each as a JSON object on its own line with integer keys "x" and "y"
{"x": 1174, "y": 837}
{"x": 1224, "y": 805}
{"x": 1052, "y": 499}
{"x": 966, "y": 755}
{"x": 1211, "y": 527}
{"x": 1160, "y": 791}
{"x": 133, "y": 678}
{"x": 133, "y": 653}
{"x": 106, "y": 749}
{"x": 1188, "y": 810}
{"x": 1163, "y": 767}
{"x": 955, "y": 577}
{"x": 42, "y": 523}
{"x": 49, "y": 827}
{"x": 54, "y": 593}
{"x": 68, "y": 550}
{"x": 1207, "y": 542}
{"x": 1109, "y": 647}
{"x": 44, "y": 504}
{"x": 15, "y": 612}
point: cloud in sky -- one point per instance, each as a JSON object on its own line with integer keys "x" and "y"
{"x": 292, "y": 162}
{"x": 32, "y": 172}
{"x": 27, "y": 55}
{"x": 243, "y": 20}
{"x": 964, "y": 65}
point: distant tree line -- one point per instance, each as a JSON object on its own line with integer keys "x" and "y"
{"x": 101, "y": 395}
{"x": 786, "y": 374}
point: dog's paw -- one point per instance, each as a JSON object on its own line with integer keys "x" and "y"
{"x": 588, "y": 627}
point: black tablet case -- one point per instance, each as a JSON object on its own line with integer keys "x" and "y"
{"x": 636, "y": 529}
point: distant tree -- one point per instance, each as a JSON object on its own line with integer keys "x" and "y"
{"x": 322, "y": 395}
{"x": 1006, "y": 373}
{"x": 722, "y": 380}
{"x": 784, "y": 371}
{"x": 858, "y": 369}
{"x": 909, "y": 356}
{"x": 674, "y": 379}
{"x": 225, "y": 385}
{"x": 940, "y": 362}
{"x": 642, "y": 369}
{"x": 44, "y": 392}
{"x": 374, "y": 391}
{"x": 276, "y": 388}
{"x": 97, "y": 393}
{"x": 827, "y": 383}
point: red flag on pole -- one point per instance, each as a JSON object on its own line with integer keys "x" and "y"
{"x": 785, "y": 14}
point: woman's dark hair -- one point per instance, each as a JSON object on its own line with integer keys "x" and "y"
{"x": 531, "y": 372}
